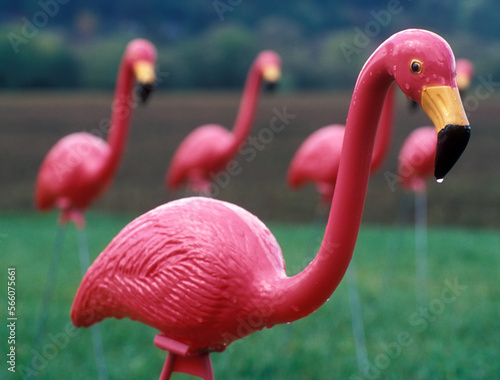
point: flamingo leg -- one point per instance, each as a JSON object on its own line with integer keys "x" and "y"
{"x": 421, "y": 247}
{"x": 358, "y": 329}
{"x": 50, "y": 283}
{"x": 180, "y": 360}
{"x": 95, "y": 330}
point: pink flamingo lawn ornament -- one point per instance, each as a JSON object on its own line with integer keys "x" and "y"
{"x": 197, "y": 268}
{"x": 317, "y": 161}
{"x": 415, "y": 166}
{"x": 207, "y": 150}
{"x": 465, "y": 73}
{"x": 81, "y": 166}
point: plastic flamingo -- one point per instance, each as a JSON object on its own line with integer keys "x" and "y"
{"x": 80, "y": 167}
{"x": 207, "y": 150}
{"x": 465, "y": 73}
{"x": 317, "y": 161}
{"x": 416, "y": 159}
{"x": 206, "y": 272}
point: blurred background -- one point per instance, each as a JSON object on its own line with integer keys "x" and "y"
{"x": 58, "y": 68}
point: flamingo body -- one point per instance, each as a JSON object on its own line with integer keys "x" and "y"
{"x": 72, "y": 173}
{"x": 318, "y": 157}
{"x": 416, "y": 158}
{"x": 185, "y": 269}
{"x": 207, "y": 150}
{"x": 317, "y": 160}
{"x": 200, "y": 156}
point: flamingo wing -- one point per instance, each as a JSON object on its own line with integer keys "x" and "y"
{"x": 317, "y": 159}
{"x": 71, "y": 172}
{"x": 191, "y": 268}
{"x": 201, "y": 155}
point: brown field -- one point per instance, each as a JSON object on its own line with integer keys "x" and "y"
{"x": 30, "y": 123}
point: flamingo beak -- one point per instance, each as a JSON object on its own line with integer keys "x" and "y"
{"x": 463, "y": 81}
{"x": 271, "y": 76}
{"x": 444, "y": 107}
{"x": 145, "y": 76}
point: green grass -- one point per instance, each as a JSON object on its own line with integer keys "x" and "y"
{"x": 457, "y": 339}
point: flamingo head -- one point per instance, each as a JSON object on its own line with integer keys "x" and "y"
{"x": 269, "y": 65}
{"x": 465, "y": 72}
{"x": 423, "y": 66}
{"x": 141, "y": 57}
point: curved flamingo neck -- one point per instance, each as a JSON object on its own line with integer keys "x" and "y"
{"x": 384, "y": 131}
{"x": 120, "y": 117}
{"x": 248, "y": 104}
{"x": 305, "y": 292}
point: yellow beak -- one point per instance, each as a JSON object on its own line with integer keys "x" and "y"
{"x": 271, "y": 74}
{"x": 463, "y": 81}
{"x": 144, "y": 72}
{"x": 444, "y": 106}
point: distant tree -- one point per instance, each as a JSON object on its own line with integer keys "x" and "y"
{"x": 42, "y": 61}
{"x": 219, "y": 59}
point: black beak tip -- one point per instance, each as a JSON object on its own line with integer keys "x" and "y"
{"x": 143, "y": 92}
{"x": 451, "y": 143}
{"x": 414, "y": 106}
{"x": 270, "y": 86}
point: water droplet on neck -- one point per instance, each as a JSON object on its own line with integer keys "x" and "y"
{"x": 440, "y": 180}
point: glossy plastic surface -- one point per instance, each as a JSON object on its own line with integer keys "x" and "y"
{"x": 206, "y": 273}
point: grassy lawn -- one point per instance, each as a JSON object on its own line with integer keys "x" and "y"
{"x": 456, "y": 337}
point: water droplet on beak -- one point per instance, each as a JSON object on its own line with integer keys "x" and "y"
{"x": 440, "y": 180}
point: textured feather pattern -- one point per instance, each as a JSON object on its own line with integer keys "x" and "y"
{"x": 196, "y": 269}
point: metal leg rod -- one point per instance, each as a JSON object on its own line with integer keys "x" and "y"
{"x": 95, "y": 330}
{"x": 421, "y": 248}
{"x": 49, "y": 285}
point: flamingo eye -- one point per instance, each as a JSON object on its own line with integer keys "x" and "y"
{"x": 416, "y": 66}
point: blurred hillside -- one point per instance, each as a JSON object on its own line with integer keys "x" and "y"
{"x": 208, "y": 44}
